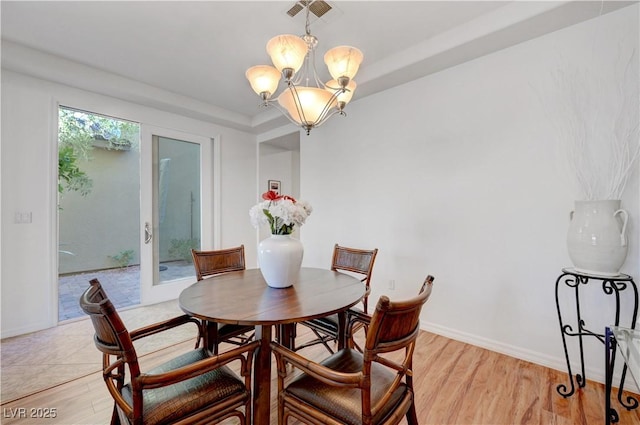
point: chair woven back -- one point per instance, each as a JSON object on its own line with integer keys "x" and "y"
{"x": 111, "y": 336}
{"x": 357, "y": 261}
{"x": 396, "y": 324}
{"x": 209, "y": 263}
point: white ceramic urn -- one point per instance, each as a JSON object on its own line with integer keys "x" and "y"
{"x": 280, "y": 258}
{"x": 596, "y": 239}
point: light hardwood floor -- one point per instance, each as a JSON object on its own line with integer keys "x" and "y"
{"x": 455, "y": 383}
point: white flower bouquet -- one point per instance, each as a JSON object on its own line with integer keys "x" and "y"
{"x": 281, "y": 212}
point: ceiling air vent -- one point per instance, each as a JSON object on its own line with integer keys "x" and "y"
{"x": 317, "y": 7}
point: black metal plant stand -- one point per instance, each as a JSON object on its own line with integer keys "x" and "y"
{"x": 612, "y": 286}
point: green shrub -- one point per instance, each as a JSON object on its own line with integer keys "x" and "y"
{"x": 123, "y": 258}
{"x": 181, "y": 248}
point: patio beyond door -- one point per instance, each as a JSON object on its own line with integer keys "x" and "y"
{"x": 98, "y": 208}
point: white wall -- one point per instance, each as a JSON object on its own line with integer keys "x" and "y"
{"x": 29, "y": 251}
{"x": 280, "y": 164}
{"x": 461, "y": 174}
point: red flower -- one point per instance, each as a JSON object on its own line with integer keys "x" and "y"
{"x": 271, "y": 196}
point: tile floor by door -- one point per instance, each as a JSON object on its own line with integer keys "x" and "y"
{"x": 56, "y": 355}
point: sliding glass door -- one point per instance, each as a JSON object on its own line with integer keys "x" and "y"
{"x": 133, "y": 201}
{"x": 176, "y": 201}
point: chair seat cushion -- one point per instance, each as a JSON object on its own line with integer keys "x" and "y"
{"x": 345, "y": 404}
{"x": 356, "y": 309}
{"x": 167, "y": 404}
{"x": 227, "y": 329}
{"x": 329, "y": 323}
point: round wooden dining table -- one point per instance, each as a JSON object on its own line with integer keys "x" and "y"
{"x": 244, "y": 298}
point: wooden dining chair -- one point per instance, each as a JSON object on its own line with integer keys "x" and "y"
{"x": 353, "y": 388}
{"x": 212, "y": 263}
{"x": 357, "y": 262}
{"x": 193, "y": 388}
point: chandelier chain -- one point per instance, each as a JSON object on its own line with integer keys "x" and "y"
{"x": 307, "y": 25}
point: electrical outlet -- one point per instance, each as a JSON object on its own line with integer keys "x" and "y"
{"x": 23, "y": 217}
{"x": 392, "y": 284}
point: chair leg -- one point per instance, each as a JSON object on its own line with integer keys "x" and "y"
{"x": 247, "y": 413}
{"x": 281, "y": 418}
{"x": 115, "y": 417}
{"x": 320, "y": 339}
{"x": 412, "y": 418}
{"x": 351, "y": 342}
{"x": 201, "y": 333}
{"x": 323, "y": 340}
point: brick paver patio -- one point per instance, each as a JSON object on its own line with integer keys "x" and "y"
{"x": 122, "y": 286}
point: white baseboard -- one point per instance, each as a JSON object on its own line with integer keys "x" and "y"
{"x": 557, "y": 363}
{"x": 21, "y": 330}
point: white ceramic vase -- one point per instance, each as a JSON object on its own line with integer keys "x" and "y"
{"x": 280, "y": 258}
{"x": 597, "y": 240}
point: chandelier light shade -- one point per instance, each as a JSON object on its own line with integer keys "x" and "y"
{"x": 305, "y": 100}
{"x": 343, "y": 61}
{"x": 307, "y": 105}
{"x": 343, "y": 96}
{"x": 264, "y": 79}
{"x": 287, "y": 51}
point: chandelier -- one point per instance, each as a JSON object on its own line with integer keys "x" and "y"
{"x": 305, "y": 101}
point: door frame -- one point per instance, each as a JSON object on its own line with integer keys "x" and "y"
{"x": 105, "y": 106}
{"x": 84, "y": 106}
{"x": 150, "y": 293}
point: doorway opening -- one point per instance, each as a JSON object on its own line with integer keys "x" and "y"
{"x": 98, "y": 208}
